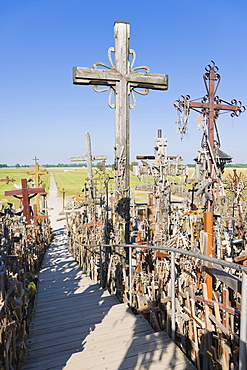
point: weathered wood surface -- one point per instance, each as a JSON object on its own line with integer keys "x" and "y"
{"x": 78, "y": 325}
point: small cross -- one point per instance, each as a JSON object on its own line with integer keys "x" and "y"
{"x": 35, "y": 159}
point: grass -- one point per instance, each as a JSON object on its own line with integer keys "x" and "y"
{"x": 17, "y": 174}
{"x": 72, "y": 180}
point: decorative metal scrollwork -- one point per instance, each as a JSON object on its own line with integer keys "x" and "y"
{"x": 184, "y": 104}
{"x": 132, "y": 89}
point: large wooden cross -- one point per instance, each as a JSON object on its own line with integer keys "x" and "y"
{"x": 123, "y": 79}
{"x": 25, "y": 193}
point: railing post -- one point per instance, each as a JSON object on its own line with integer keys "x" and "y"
{"x": 173, "y": 303}
{"x": 100, "y": 266}
{"x": 130, "y": 276}
{"x": 243, "y": 324}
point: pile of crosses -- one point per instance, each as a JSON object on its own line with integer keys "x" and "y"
{"x": 25, "y": 235}
{"x": 124, "y": 245}
{"x": 207, "y": 296}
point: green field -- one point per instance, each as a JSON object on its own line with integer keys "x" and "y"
{"x": 71, "y": 179}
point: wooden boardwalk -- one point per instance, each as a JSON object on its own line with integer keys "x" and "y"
{"x": 78, "y": 325}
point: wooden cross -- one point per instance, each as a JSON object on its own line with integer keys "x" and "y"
{"x": 37, "y": 217}
{"x": 123, "y": 79}
{"x": 37, "y": 172}
{"x": 89, "y": 158}
{"x": 25, "y": 195}
{"x": 210, "y": 108}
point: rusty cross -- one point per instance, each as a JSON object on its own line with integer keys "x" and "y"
{"x": 209, "y": 107}
{"x": 123, "y": 79}
{"x": 25, "y": 194}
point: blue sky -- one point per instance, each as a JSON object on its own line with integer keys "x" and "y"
{"x": 43, "y": 114}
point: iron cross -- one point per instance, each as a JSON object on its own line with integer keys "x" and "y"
{"x": 123, "y": 79}
{"x": 210, "y": 107}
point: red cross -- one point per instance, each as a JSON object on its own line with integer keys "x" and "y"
{"x": 23, "y": 194}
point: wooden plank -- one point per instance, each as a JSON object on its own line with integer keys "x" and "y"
{"x": 75, "y": 332}
{"x": 83, "y": 330}
{"x": 101, "y": 347}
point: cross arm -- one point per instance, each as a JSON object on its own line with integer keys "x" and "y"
{"x": 152, "y": 81}
{"x": 13, "y": 192}
{"x": 36, "y": 191}
{"x": 74, "y": 159}
{"x": 20, "y": 191}
{"x": 94, "y": 158}
{"x": 216, "y": 106}
{"x": 91, "y": 76}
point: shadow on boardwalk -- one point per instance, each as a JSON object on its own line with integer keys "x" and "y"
{"x": 78, "y": 325}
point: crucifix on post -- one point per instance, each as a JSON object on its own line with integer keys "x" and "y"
{"x": 210, "y": 108}
{"x": 25, "y": 194}
{"x": 122, "y": 79}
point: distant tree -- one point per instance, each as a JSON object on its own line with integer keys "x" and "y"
{"x": 17, "y": 165}
{"x": 132, "y": 164}
{"x": 3, "y": 165}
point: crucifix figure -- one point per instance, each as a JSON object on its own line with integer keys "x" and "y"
{"x": 210, "y": 108}
{"x": 25, "y": 194}
{"x": 122, "y": 79}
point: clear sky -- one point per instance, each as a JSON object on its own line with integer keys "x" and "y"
{"x": 43, "y": 114}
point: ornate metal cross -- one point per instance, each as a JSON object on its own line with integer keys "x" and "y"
{"x": 209, "y": 107}
{"x": 123, "y": 79}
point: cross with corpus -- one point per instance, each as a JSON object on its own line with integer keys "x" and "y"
{"x": 210, "y": 107}
{"x": 23, "y": 194}
{"x": 123, "y": 79}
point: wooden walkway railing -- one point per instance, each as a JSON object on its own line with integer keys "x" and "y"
{"x": 78, "y": 325}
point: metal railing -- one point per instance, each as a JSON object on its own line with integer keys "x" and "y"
{"x": 212, "y": 260}
{"x": 173, "y": 251}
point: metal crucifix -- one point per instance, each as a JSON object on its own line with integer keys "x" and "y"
{"x": 123, "y": 79}
{"x": 209, "y": 107}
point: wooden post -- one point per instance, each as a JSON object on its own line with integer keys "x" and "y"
{"x": 89, "y": 158}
